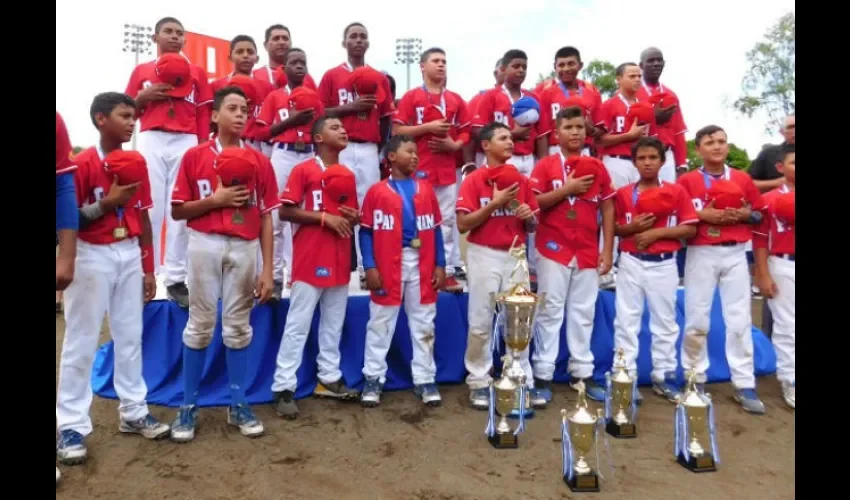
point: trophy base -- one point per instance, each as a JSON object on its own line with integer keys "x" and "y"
{"x": 704, "y": 463}
{"x": 504, "y": 441}
{"x": 622, "y": 431}
{"x": 583, "y": 484}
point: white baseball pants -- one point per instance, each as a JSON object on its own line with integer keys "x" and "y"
{"x": 362, "y": 158}
{"x": 525, "y": 165}
{"x": 447, "y": 197}
{"x": 783, "y": 309}
{"x": 163, "y": 152}
{"x": 303, "y": 299}
{"x": 707, "y": 268}
{"x": 668, "y": 170}
{"x": 420, "y": 320}
{"x": 283, "y": 162}
{"x": 576, "y": 290}
{"x": 622, "y": 173}
{"x": 480, "y": 159}
{"x": 220, "y": 267}
{"x": 107, "y": 280}
{"x": 491, "y": 273}
{"x": 656, "y": 284}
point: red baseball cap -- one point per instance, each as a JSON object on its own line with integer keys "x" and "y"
{"x": 175, "y": 70}
{"x": 726, "y": 194}
{"x": 247, "y": 86}
{"x": 663, "y": 99}
{"x": 432, "y": 113}
{"x": 785, "y": 207}
{"x": 339, "y": 188}
{"x": 504, "y": 176}
{"x": 130, "y": 167}
{"x": 302, "y": 98}
{"x": 643, "y": 111}
{"x": 236, "y": 166}
{"x": 575, "y": 101}
{"x": 280, "y": 78}
{"x": 368, "y": 81}
{"x": 587, "y": 165}
{"x": 659, "y": 201}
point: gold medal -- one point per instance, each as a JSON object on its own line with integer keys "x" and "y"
{"x": 513, "y": 204}
{"x": 119, "y": 233}
{"x": 714, "y": 232}
{"x": 237, "y": 218}
{"x": 415, "y": 243}
{"x": 572, "y": 214}
{"x": 300, "y": 146}
{"x": 171, "y": 113}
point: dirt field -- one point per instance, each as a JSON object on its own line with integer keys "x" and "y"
{"x": 403, "y": 451}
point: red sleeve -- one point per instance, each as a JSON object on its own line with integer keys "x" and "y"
{"x": 387, "y": 107}
{"x": 293, "y": 192}
{"x": 686, "y": 211}
{"x": 463, "y": 122}
{"x": 762, "y": 231}
{"x": 467, "y": 198}
{"x": 483, "y": 110}
{"x": 326, "y": 90}
{"x": 606, "y": 188}
{"x": 203, "y": 108}
{"x": 596, "y": 101}
{"x": 602, "y": 116}
{"x": 406, "y": 112}
{"x": 539, "y": 179}
{"x": 182, "y": 191}
{"x": 544, "y": 124}
{"x": 683, "y": 181}
{"x": 531, "y": 200}
{"x": 268, "y": 110}
{"x": 620, "y": 207}
{"x": 63, "y": 148}
{"x": 146, "y": 198}
{"x": 367, "y": 210}
{"x": 752, "y": 193}
{"x": 135, "y": 83}
{"x": 269, "y": 200}
{"x": 81, "y": 184}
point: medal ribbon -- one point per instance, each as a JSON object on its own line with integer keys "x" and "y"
{"x": 649, "y": 90}
{"x": 570, "y": 199}
{"x": 510, "y": 98}
{"x": 442, "y": 105}
{"x": 626, "y": 102}
{"x": 566, "y": 91}
{"x": 407, "y": 206}
{"x": 635, "y": 192}
{"x": 709, "y": 179}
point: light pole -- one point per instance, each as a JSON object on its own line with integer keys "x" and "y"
{"x": 407, "y": 51}
{"x": 138, "y": 39}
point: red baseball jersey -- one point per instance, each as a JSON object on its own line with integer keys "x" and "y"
{"x": 438, "y": 168}
{"x": 554, "y": 97}
{"x": 190, "y": 115}
{"x": 197, "y": 180}
{"x": 275, "y": 109}
{"x": 611, "y": 116}
{"x": 252, "y": 130}
{"x": 497, "y": 105}
{"x": 570, "y": 229}
{"x": 382, "y": 213}
{"x": 92, "y": 186}
{"x": 266, "y": 74}
{"x": 776, "y": 235}
{"x": 472, "y": 110}
{"x": 64, "y": 151}
{"x": 672, "y": 132}
{"x": 624, "y": 206}
{"x": 697, "y": 184}
{"x": 320, "y": 257}
{"x": 334, "y": 90}
{"x": 499, "y": 230}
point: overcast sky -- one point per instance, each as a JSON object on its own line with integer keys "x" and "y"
{"x": 704, "y": 44}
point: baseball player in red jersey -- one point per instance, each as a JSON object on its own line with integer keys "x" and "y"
{"x": 288, "y": 114}
{"x": 482, "y": 211}
{"x": 728, "y": 205}
{"x": 243, "y": 55}
{"x": 226, "y": 191}
{"x": 404, "y": 261}
{"x": 431, "y": 114}
{"x": 668, "y": 114}
{"x": 475, "y": 153}
{"x": 173, "y": 100}
{"x": 571, "y": 190}
{"x": 774, "y": 247}
{"x": 653, "y": 216}
{"x": 322, "y": 228}
{"x": 114, "y": 271}
{"x": 559, "y": 95}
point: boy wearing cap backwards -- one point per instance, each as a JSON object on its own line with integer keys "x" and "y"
{"x": 728, "y": 205}
{"x": 173, "y": 100}
{"x": 320, "y": 200}
{"x": 774, "y": 245}
{"x": 653, "y": 216}
{"x": 571, "y": 191}
{"x": 287, "y": 115}
{"x": 404, "y": 261}
{"x": 484, "y": 211}
{"x": 226, "y": 192}
{"x": 114, "y": 273}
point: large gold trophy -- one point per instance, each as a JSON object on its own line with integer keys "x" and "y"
{"x": 620, "y": 400}
{"x": 503, "y": 394}
{"x": 579, "y": 434}
{"x": 695, "y": 438}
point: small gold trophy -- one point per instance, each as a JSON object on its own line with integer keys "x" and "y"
{"x": 579, "y": 432}
{"x": 694, "y": 429}
{"x": 503, "y": 393}
{"x": 620, "y": 400}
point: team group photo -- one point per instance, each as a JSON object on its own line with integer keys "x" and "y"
{"x": 551, "y": 277}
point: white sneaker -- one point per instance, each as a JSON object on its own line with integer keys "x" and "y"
{"x": 788, "y": 393}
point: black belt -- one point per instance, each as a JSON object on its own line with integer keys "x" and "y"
{"x": 298, "y": 148}
{"x": 786, "y": 256}
{"x": 358, "y": 141}
{"x": 653, "y": 257}
{"x": 726, "y": 244}
{"x": 622, "y": 157}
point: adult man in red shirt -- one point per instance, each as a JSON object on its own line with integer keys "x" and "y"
{"x": 277, "y": 43}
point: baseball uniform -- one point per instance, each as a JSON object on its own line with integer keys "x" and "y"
{"x": 267, "y": 74}
{"x": 567, "y": 268}
{"x": 778, "y": 235}
{"x": 717, "y": 258}
{"x": 649, "y": 275}
{"x": 490, "y": 272}
{"x": 472, "y": 110}
{"x": 402, "y": 217}
{"x": 108, "y": 276}
{"x": 612, "y": 116}
{"x": 64, "y": 151}
{"x": 253, "y": 133}
{"x": 320, "y": 276}
{"x": 168, "y": 129}
{"x": 496, "y": 105}
{"x": 440, "y": 169}
{"x": 67, "y": 216}
{"x": 671, "y": 133}
{"x": 553, "y": 98}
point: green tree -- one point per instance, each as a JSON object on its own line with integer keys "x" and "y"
{"x": 738, "y": 158}
{"x": 603, "y": 75}
{"x": 77, "y": 150}
{"x": 769, "y": 85}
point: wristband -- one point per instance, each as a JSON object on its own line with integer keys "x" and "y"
{"x": 323, "y": 219}
{"x": 755, "y": 217}
{"x": 147, "y": 259}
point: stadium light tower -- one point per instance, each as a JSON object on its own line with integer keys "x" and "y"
{"x": 138, "y": 39}
{"x": 407, "y": 51}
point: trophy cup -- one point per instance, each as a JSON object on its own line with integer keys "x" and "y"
{"x": 620, "y": 398}
{"x": 579, "y": 432}
{"x": 694, "y": 429}
{"x": 503, "y": 393}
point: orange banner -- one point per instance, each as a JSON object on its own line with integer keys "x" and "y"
{"x": 210, "y": 53}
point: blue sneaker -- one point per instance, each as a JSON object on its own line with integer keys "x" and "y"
{"x": 242, "y": 416}
{"x": 593, "y": 390}
{"x": 666, "y": 389}
{"x": 749, "y": 401}
{"x": 183, "y": 427}
{"x": 480, "y": 398}
{"x": 147, "y": 426}
{"x": 541, "y": 395}
{"x": 429, "y": 394}
{"x": 371, "y": 395}
{"x": 70, "y": 448}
